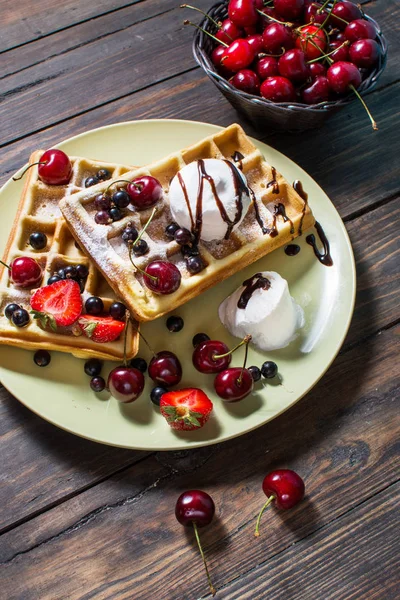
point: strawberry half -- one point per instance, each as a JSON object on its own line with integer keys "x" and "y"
{"x": 57, "y": 304}
{"x": 186, "y": 409}
{"x": 101, "y": 329}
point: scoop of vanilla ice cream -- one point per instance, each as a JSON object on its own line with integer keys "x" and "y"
{"x": 271, "y": 316}
{"x": 230, "y": 189}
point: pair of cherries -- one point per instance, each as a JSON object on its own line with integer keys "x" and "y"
{"x": 195, "y": 508}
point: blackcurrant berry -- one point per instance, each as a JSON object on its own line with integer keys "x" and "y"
{"x": 170, "y": 230}
{"x": 194, "y": 264}
{"x": 94, "y": 305}
{"x": 82, "y": 271}
{"x": 183, "y": 236}
{"x": 103, "y": 217}
{"x": 102, "y": 202}
{"x": 89, "y": 181}
{"x": 269, "y": 369}
{"x": 156, "y": 395}
{"x": 53, "y": 279}
{"x": 38, "y": 240}
{"x": 199, "y": 338}
{"x": 20, "y": 317}
{"x": 121, "y": 198}
{"x": 61, "y": 273}
{"x": 93, "y": 367}
{"x": 138, "y": 363}
{"x": 42, "y": 358}
{"x": 129, "y": 234}
{"x": 103, "y": 174}
{"x": 140, "y": 248}
{"x": 70, "y": 272}
{"x": 117, "y": 311}
{"x": 10, "y": 309}
{"x": 97, "y": 384}
{"x": 255, "y": 373}
{"x": 174, "y": 323}
{"x": 115, "y": 213}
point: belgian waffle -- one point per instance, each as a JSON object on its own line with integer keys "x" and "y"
{"x": 38, "y": 210}
{"x": 276, "y": 216}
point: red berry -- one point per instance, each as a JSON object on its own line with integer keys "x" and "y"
{"x": 289, "y": 9}
{"x": 286, "y": 486}
{"x": 342, "y": 52}
{"x": 364, "y": 53}
{"x": 360, "y": 29}
{"x": 267, "y": 67}
{"x": 293, "y": 66}
{"x": 101, "y": 329}
{"x": 234, "y": 384}
{"x": 194, "y": 506}
{"x": 256, "y": 43}
{"x": 165, "y": 368}
{"x": 246, "y": 81}
{"x": 243, "y": 12}
{"x": 312, "y": 14}
{"x": 277, "y": 37}
{"x": 342, "y": 75}
{"x": 347, "y": 11}
{"x": 318, "y": 91}
{"x": 229, "y": 32}
{"x": 204, "y": 356}
{"x": 25, "y": 272}
{"x": 186, "y": 409}
{"x": 238, "y": 55}
{"x": 144, "y": 192}
{"x": 59, "y": 303}
{"x": 312, "y": 41}
{"x": 278, "y": 89}
{"x": 57, "y": 168}
{"x": 316, "y": 69}
{"x": 217, "y": 54}
{"x": 125, "y": 384}
{"x": 162, "y": 277}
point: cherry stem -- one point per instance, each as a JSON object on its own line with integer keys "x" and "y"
{"x": 205, "y": 14}
{"x": 345, "y": 43}
{"x": 196, "y": 533}
{"x": 268, "y": 502}
{"x": 114, "y": 182}
{"x": 127, "y": 317}
{"x": 4, "y": 265}
{"x": 186, "y": 22}
{"x": 28, "y": 167}
{"x": 245, "y": 340}
{"x": 374, "y": 125}
{"x": 143, "y": 338}
{"x": 287, "y": 23}
{"x": 145, "y": 227}
{"x": 131, "y": 244}
{"x": 239, "y": 381}
{"x": 263, "y": 54}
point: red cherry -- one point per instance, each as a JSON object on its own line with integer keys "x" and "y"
{"x": 247, "y": 81}
{"x": 267, "y": 67}
{"x": 276, "y": 37}
{"x": 318, "y": 91}
{"x": 342, "y": 75}
{"x": 360, "y": 29}
{"x": 238, "y": 55}
{"x": 125, "y": 384}
{"x": 338, "y": 37}
{"x": 311, "y": 14}
{"x": 217, "y": 54}
{"x": 229, "y": 32}
{"x": 342, "y": 52}
{"x": 144, "y": 192}
{"x": 316, "y": 69}
{"x": 278, "y": 89}
{"x": 57, "y": 168}
{"x": 233, "y": 384}
{"x": 312, "y": 41}
{"x": 347, "y": 11}
{"x": 289, "y": 9}
{"x": 285, "y": 487}
{"x": 268, "y": 11}
{"x": 364, "y": 53}
{"x": 162, "y": 277}
{"x": 25, "y": 272}
{"x": 252, "y": 30}
{"x": 204, "y": 356}
{"x": 256, "y": 43}
{"x": 243, "y": 12}
{"x": 293, "y": 66}
{"x": 165, "y": 368}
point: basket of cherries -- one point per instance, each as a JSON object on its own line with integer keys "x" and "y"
{"x": 289, "y": 64}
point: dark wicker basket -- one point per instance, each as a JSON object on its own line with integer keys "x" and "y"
{"x": 288, "y": 116}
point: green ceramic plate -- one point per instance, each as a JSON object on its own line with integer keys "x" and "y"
{"x": 60, "y": 393}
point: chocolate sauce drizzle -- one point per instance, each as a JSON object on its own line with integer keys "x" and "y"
{"x": 324, "y": 257}
{"x": 298, "y": 186}
{"x": 237, "y": 157}
{"x": 279, "y": 209}
{"x": 257, "y": 282}
{"x": 273, "y": 183}
{"x": 292, "y": 249}
{"x": 197, "y": 220}
{"x": 259, "y": 220}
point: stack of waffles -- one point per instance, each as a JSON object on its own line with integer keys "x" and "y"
{"x": 39, "y": 211}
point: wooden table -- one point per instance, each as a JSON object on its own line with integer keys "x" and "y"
{"x": 85, "y": 521}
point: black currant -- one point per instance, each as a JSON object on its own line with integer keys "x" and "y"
{"x": 42, "y": 358}
{"x": 89, "y": 181}
{"x": 93, "y": 367}
{"x": 97, "y": 384}
{"x": 138, "y": 363}
{"x": 115, "y": 213}
{"x": 121, "y": 198}
{"x": 170, "y": 230}
{"x": 140, "y": 248}
{"x": 174, "y": 323}
{"x": 117, "y": 311}
{"x": 38, "y": 240}
{"x": 269, "y": 369}
{"x": 199, "y": 338}
{"x": 94, "y": 306}
{"x": 255, "y": 373}
{"x": 20, "y": 317}
{"x": 156, "y": 394}
{"x": 10, "y": 309}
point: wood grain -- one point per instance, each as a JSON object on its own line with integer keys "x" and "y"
{"x": 342, "y": 438}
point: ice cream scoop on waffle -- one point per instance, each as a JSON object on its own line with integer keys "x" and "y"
{"x": 237, "y": 208}
{"x": 38, "y": 211}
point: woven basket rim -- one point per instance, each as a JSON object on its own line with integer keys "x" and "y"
{"x": 216, "y": 11}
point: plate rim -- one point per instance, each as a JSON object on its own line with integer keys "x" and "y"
{"x": 187, "y": 444}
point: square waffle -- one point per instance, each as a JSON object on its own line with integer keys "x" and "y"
{"x": 275, "y": 217}
{"x": 38, "y": 210}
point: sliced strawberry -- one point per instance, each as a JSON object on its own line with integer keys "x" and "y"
{"x": 57, "y": 304}
{"x": 186, "y": 409}
{"x": 101, "y": 329}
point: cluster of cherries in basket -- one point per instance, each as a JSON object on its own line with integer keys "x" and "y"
{"x": 189, "y": 408}
{"x": 294, "y": 50}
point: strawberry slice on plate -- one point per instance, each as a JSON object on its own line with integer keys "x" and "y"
{"x": 101, "y": 329}
{"x": 186, "y": 409}
{"x": 58, "y": 304}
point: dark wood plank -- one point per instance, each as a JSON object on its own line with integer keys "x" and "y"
{"x": 342, "y": 438}
{"x": 25, "y": 21}
{"x": 355, "y": 557}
